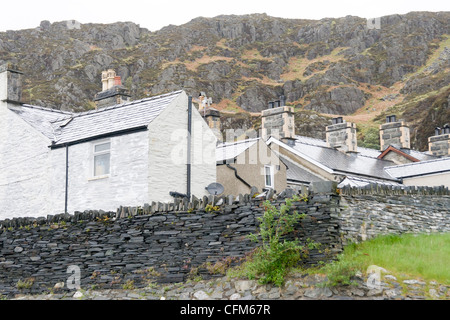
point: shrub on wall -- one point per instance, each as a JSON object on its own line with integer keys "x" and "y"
{"x": 275, "y": 255}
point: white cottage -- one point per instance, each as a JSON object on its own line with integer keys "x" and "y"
{"x": 127, "y": 154}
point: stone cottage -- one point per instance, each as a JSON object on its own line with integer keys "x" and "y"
{"x": 338, "y": 158}
{"x": 122, "y": 154}
{"x": 249, "y": 163}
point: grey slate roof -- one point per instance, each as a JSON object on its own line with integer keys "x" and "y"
{"x": 357, "y": 164}
{"x": 322, "y": 143}
{"x": 421, "y": 156}
{"x": 295, "y": 173}
{"x": 420, "y": 168}
{"x": 352, "y": 163}
{"x": 40, "y": 118}
{"x": 66, "y": 127}
{"x": 353, "y": 181}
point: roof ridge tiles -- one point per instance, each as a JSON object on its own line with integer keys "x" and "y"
{"x": 227, "y": 144}
{"x": 419, "y": 163}
{"x": 126, "y": 104}
{"x": 46, "y": 109}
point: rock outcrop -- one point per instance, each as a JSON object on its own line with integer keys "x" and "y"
{"x": 248, "y": 60}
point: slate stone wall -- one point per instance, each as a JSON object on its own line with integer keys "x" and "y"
{"x": 366, "y": 213}
{"x": 170, "y": 242}
{"x": 154, "y": 243}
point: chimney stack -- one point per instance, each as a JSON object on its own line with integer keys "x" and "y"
{"x": 278, "y": 121}
{"x": 341, "y": 135}
{"x": 394, "y": 133}
{"x": 439, "y": 144}
{"x": 209, "y": 114}
{"x": 113, "y": 92}
{"x": 10, "y": 84}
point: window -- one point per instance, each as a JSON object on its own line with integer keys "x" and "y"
{"x": 102, "y": 159}
{"x": 268, "y": 176}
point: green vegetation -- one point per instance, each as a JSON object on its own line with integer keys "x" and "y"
{"x": 407, "y": 256}
{"x": 129, "y": 285}
{"x": 211, "y": 208}
{"x": 275, "y": 256}
{"x": 368, "y": 137}
{"x": 25, "y": 284}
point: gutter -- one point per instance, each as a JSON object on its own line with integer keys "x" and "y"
{"x": 189, "y": 142}
{"x": 67, "y": 179}
{"x": 56, "y": 145}
{"x": 238, "y": 176}
{"x": 424, "y": 174}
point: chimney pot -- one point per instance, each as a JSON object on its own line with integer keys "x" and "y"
{"x": 117, "y": 81}
{"x": 391, "y": 118}
{"x": 437, "y": 131}
{"x": 446, "y": 128}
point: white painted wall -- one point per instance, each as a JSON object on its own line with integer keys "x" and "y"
{"x": 433, "y": 180}
{"x": 204, "y": 143}
{"x": 168, "y": 152}
{"x": 127, "y": 183}
{"x": 24, "y": 164}
{"x": 145, "y": 166}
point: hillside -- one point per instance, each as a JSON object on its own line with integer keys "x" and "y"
{"x": 324, "y": 68}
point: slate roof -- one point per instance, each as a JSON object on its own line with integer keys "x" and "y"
{"x": 296, "y": 173}
{"x": 412, "y": 155}
{"x": 322, "y": 143}
{"x": 40, "y": 118}
{"x": 354, "y": 181}
{"x": 230, "y": 150}
{"x": 421, "y": 156}
{"x": 420, "y": 168}
{"x": 65, "y": 127}
{"x": 337, "y": 162}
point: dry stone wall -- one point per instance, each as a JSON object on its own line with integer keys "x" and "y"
{"x": 157, "y": 242}
{"x": 364, "y": 215}
{"x": 169, "y": 242}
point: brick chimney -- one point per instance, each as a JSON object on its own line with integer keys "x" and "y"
{"x": 10, "y": 84}
{"x": 278, "y": 121}
{"x": 394, "y": 133}
{"x": 439, "y": 144}
{"x": 341, "y": 135}
{"x": 113, "y": 92}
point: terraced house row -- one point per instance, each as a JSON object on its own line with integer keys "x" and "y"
{"x": 130, "y": 152}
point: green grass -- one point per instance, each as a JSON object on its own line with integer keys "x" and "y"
{"x": 425, "y": 256}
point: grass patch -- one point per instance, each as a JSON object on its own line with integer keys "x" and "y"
{"x": 426, "y": 256}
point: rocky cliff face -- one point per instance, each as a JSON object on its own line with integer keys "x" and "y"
{"x": 331, "y": 66}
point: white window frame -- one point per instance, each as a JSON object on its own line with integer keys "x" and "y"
{"x": 271, "y": 168}
{"x": 98, "y": 153}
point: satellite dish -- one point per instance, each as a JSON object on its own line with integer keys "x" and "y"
{"x": 215, "y": 188}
